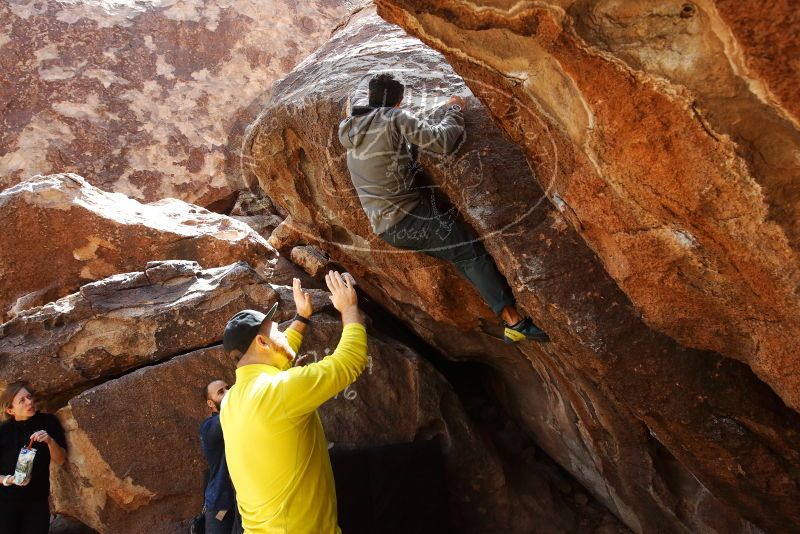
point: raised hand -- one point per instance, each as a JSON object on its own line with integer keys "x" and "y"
{"x": 458, "y": 101}
{"x": 343, "y": 294}
{"x": 302, "y": 299}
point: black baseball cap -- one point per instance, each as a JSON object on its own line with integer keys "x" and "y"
{"x": 243, "y": 327}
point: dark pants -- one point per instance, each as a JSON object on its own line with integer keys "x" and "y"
{"x": 426, "y": 230}
{"x": 24, "y": 517}
{"x": 230, "y": 524}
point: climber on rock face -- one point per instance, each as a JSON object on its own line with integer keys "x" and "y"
{"x": 379, "y": 138}
{"x": 275, "y": 445}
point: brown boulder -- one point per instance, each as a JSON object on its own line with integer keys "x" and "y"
{"x": 115, "y": 484}
{"x": 148, "y": 100}
{"x": 400, "y": 398}
{"x": 134, "y": 461}
{"x": 60, "y": 233}
{"x": 668, "y": 438}
{"x": 663, "y": 138}
{"x": 125, "y": 322}
{"x": 313, "y": 261}
{"x": 282, "y": 272}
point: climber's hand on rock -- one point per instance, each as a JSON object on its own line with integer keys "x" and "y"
{"x": 302, "y": 299}
{"x": 457, "y": 100}
{"x": 343, "y": 293}
{"x": 344, "y": 297}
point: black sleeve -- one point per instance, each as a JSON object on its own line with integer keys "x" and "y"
{"x": 214, "y": 434}
{"x": 210, "y": 436}
{"x": 9, "y": 449}
{"x": 56, "y": 431}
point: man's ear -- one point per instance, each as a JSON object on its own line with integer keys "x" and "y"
{"x": 210, "y": 404}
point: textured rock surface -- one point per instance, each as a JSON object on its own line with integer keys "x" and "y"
{"x": 400, "y": 399}
{"x": 312, "y": 260}
{"x": 153, "y": 483}
{"x": 666, "y": 141}
{"x": 59, "y": 232}
{"x": 257, "y": 213}
{"x": 150, "y": 98}
{"x": 135, "y": 463}
{"x": 124, "y": 322}
{"x": 668, "y": 438}
{"x": 766, "y": 34}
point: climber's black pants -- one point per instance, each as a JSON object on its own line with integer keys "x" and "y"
{"x": 426, "y": 230}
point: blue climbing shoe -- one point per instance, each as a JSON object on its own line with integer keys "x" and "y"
{"x": 525, "y": 329}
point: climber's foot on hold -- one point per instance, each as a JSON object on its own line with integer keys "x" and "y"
{"x": 525, "y": 329}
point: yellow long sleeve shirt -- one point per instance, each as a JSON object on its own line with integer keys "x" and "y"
{"x": 275, "y": 445}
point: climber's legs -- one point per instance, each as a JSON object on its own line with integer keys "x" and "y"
{"x": 439, "y": 235}
{"x": 510, "y": 315}
{"x": 427, "y": 230}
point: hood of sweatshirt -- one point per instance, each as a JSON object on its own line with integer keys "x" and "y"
{"x": 353, "y": 129}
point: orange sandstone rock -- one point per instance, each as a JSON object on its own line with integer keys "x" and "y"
{"x": 60, "y": 232}
{"x": 652, "y": 427}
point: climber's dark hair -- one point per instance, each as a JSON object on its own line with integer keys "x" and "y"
{"x": 385, "y": 91}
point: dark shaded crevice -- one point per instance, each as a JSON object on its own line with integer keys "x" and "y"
{"x": 528, "y": 470}
{"x": 678, "y": 481}
{"x": 224, "y": 205}
{"x": 63, "y": 524}
{"x": 346, "y": 22}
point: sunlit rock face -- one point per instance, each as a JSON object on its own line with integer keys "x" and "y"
{"x": 669, "y": 438}
{"x": 60, "y": 232}
{"x": 668, "y": 131}
{"x": 146, "y": 98}
{"x": 124, "y": 322}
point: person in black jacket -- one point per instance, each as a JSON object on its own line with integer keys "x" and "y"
{"x": 221, "y": 515}
{"x": 25, "y": 509}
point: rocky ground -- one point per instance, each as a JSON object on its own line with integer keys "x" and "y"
{"x": 630, "y": 166}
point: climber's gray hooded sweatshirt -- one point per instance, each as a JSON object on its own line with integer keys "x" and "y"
{"x": 379, "y": 157}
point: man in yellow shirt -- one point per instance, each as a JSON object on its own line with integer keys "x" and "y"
{"x": 275, "y": 446}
